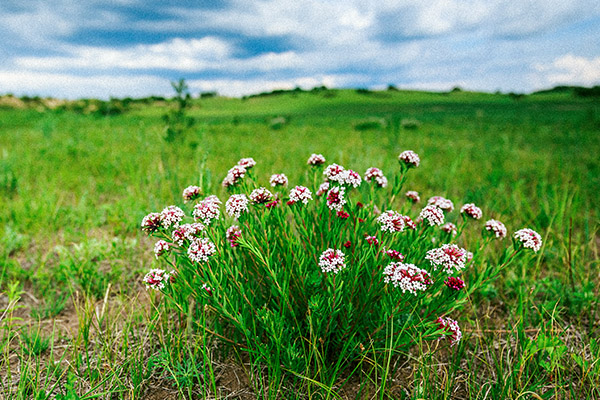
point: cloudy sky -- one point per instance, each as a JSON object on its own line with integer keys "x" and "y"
{"x": 101, "y": 48}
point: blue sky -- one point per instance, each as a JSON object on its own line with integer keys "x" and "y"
{"x": 94, "y": 48}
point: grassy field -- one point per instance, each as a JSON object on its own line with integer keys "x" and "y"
{"x": 75, "y": 320}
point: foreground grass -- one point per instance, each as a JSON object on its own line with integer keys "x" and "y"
{"x": 74, "y": 188}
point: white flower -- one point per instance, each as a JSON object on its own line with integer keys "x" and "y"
{"x": 409, "y": 158}
{"x": 332, "y": 260}
{"x": 236, "y": 205}
{"x": 316, "y": 159}
{"x": 391, "y": 221}
{"x": 407, "y": 276}
{"x": 497, "y": 228}
{"x": 333, "y": 173}
{"x": 156, "y": 279}
{"x": 433, "y": 214}
{"x": 261, "y": 195}
{"x": 441, "y": 202}
{"x": 471, "y": 210}
{"x": 171, "y": 216}
{"x": 529, "y": 238}
{"x": 160, "y": 248}
{"x": 450, "y": 257}
{"x": 350, "y": 178}
{"x": 300, "y": 193}
{"x": 201, "y": 249}
{"x": 335, "y": 198}
{"x": 191, "y": 193}
{"x": 207, "y": 210}
{"x": 278, "y": 180}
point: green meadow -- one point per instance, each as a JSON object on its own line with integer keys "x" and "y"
{"x": 77, "y": 322}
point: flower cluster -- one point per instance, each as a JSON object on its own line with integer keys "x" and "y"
{"x": 171, "y": 216}
{"x": 454, "y": 283}
{"x": 278, "y": 180}
{"x": 441, "y": 202}
{"x": 350, "y": 178}
{"x": 449, "y": 228}
{"x": 334, "y": 173}
{"x": 207, "y": 210}
{"x": 335, "y": 198}
{"x": 409, "y": 158}
{"x": 187, "y": 232}
{"x": 234, "y": 175}
{"x": 375, "y": 174}
{"x": 156, "y": 279}
{"x": 394, "y": 255}
{"x": 450, "y": 257}
{"x": 408, "y": 277}
{"x": 261, "y": 195}
{"x": 450, "y": 326}
{"x": 413, "y": 196}
{"x": 201, "y": 249}
{"x": 161, "y": 248}
{"x": 391, "y": 221}
{"x": 372, "y": 240}
{"x": 332, "y": 260}
{"x": 191, "y": 193}
{"x": 497, "y": 228}
{"x": 247, "y": 163}
{"x": 316, "y": 159}
{"x": 323, "y": 188}
{"x": 529, "y": 238}
{"x": 236, "y": 205}
{"x": 232, "y": 234}
{"x": 151, "y": 223}
{"x": 471, "y": 210}
{"x": 432, "y": 214}
{"x": 300, "y": 194}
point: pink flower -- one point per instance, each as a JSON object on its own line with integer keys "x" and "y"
{"x": 454, "y": 283}
{"x": 247, "y": 163}
{"x": 433, "y": 215}
{"x": 207, "y": 210}
{"x": 332, "y": 260}
{"x": 375, "y": 174}
{"x": 323, "y": 188}
{"x": 208, "y": 289}
{"x": 316, "y": 159}
{"x": 272, "y": 204}
{"x": 408, "y": 222}
{"x": 232, "y": 234}
{"x": 372, "y": 240}
{"x": 187, "y": 232}
{"x": 234, "y": 176}
{"x": 347, "y": 244}
{"x": 471, "y": 210}
{"x": 261, "y": 195}
{"x": 450, "y": 257}
{"x": 156, "y": 279}
{"x": 350, "y": 178}
{"x": 200, "y": 250}
{"x": 151, "y": 223}
{"x": 450, "y": 326}
{"x": 529, "y": 238}
{"x": 278, "y": 180}
{"x": 191, "y": 193}
{"x": 343, "y": 214}
{"x": 300, "y": 194}
{"x": 236, "y": 205}
{"x": 413, "y": 196}
{"x": 407, "y": 277}
{"x": 333, "y": 173}
{"x": 497, "y": 228}
{"x": 335, "y": 198}
{"x": 171, "y": 216}
{"x": 441, "y": 202}
{"x": 160, "y": 248}
{"x": 391, "y": 221}
{"x": 450, "y": 228}
{"x": 395, "y": 255}
{"x": 409, "y": 158}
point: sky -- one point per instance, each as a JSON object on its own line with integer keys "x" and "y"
{"x": 135, "y": 48}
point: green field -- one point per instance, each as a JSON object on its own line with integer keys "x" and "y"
{"x": 75, "y": 317}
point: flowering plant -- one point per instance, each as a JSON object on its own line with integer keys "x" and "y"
{"x": 314, "y": 274}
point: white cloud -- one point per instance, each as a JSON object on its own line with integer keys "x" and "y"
{"x": 569, "y": 70}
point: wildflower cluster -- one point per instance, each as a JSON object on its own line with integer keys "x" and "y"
{"x": 407, "y": 277}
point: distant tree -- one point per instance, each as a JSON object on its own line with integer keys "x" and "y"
{"x": 177, "y": 121}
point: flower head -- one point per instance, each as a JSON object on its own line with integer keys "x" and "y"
{"x": 454, "y": 283}
{"x": 409, "y": 158}
{"x": 409, "y": 222}
{"x": 232, "y": 234}
{"x": 413, "y": 196}
{"x": 497, "y": 228}
{"x": 450, "y": 257}
{"x": 191, "y": 193}
{"x": 343, "y": 214}
{"x": 350, "y": 178}
{"x": 441, "y": 202}
{"x": 333, "y": 173}
{"x": 207, "y": 210}
{"x": 187, "y": 232}
{"x": 236, "y": 205}
{"x": 300, "y": 194}
{"x": 156, "y": 279}
{"x": 234, "y": 176}
{"x": 261, "y": 195}
{"x": 450, "y": 228}
{"x": 161, "y": 248}
{"x": 151, "y": 223}
{"x": 432, "y": 214}
{"x": 529, "y": 238}
{"x": 372, "y": 240}
{"x": 332, "y": 260}
{"x": 207, "y": 289}
{"x": 323, "y": 188}
{"x": 201, "y": 249}
{"x": 407, "y": 277}
{"x": 395, "y": 255}
{"x": 247, "y": 163}
{"x": 471, "y": 210}
{"x": 391, "y": 221}
{"x": 335, "y": 198}
{"x": 450, "y": 326}
{"x": 171, "y": 216}
{"x": 316, "y": 159}
{"x": 278, "y": 180}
